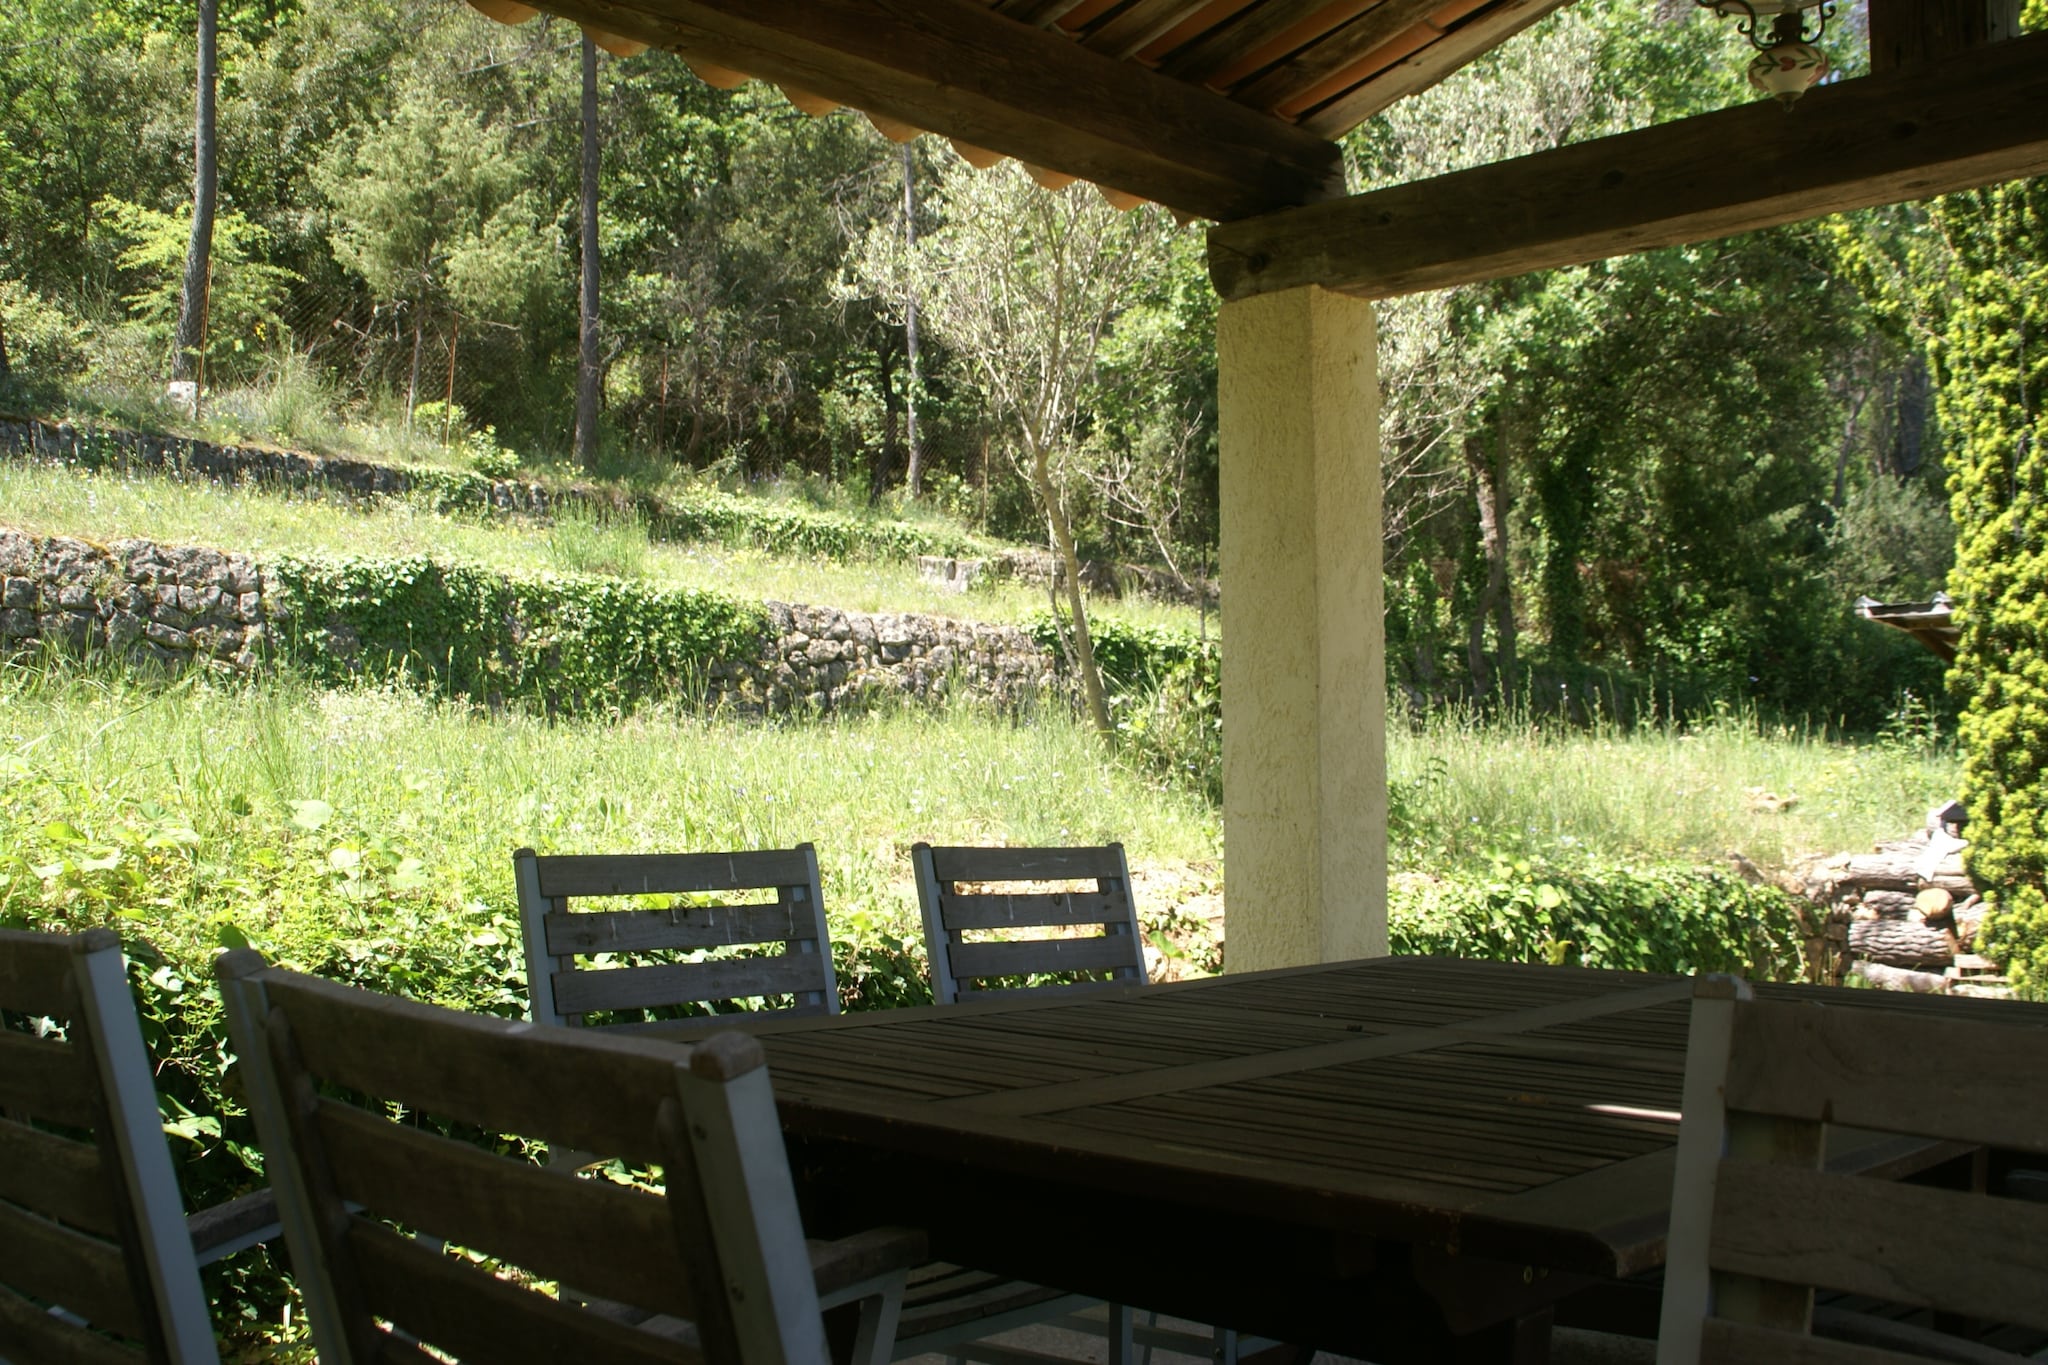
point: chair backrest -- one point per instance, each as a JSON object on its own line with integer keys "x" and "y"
{"x": 960, "y": 927}
{"x": 95, "y": 1260}
{"x": 556, "y": 936}
{"x": 384, "y": 1125}
{"x": 1758, "y": 1223}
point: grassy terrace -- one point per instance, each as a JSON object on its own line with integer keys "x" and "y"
{"x": 109, "y": 506}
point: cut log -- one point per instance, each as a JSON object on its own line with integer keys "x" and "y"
{"x": 1889, "y": 904}
{"x": 1934, "y": 903}
{"x": 1894, "y": 868}
{"x": 1899, "y": 979}
{"x": 1898, "y": 943}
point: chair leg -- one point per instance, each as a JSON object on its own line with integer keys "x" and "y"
{"x": 874, "y": 1338}
{"x": 1151, "y": 1320}
{"x": 1225, "y": 1350}
{"x": 1121, "y": 1351}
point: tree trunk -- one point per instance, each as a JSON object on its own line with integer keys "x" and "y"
{"x": 6, "y": 372}
{"x": 192, "y": 302}
{"x": 412, "y": 383}
{"x": 589, "y": 370}
{"x": 448, "y": 402}
{"x": 913, "y": 474}
{"x": 885, "y": 456}
{"x": 1487, "y": 464}
{"x": 1070, "y": 567}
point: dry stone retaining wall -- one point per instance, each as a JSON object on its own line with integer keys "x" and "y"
{"x": 183, "y": 457}
{"x": 184, "y": 605}
{"x": 23, "y": 438}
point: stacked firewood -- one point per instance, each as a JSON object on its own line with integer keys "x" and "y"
{"x": 1904, "y": 916}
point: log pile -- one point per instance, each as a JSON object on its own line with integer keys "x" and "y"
{"x": 1903, "y": 916}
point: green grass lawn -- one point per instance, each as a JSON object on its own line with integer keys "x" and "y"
{"x": 1465, "y": 790}
{"x": 47, "y": 499}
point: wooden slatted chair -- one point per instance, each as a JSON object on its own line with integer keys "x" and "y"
{"x": 98, "y": 1262}
{"x": 558, "y": 936}
{"x": 1757, "y": 1224}
{"x": 965, "y": 960}
{"x": 958, "y": 925}
{"x": 716, "y": 1269}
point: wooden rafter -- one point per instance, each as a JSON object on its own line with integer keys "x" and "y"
{"x": 973, "y": 74}
{"x": 1971, "y": 119}
{"x": 1428, "y": 64}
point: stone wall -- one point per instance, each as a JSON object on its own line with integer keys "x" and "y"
{"x": 180, "y": 457}
{"x": 173, "y": 605}
{"x": 827, "y": 659}
{"x": 181, "y": 605}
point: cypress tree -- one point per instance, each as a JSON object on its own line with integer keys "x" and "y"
{"x": 1992, "y": 360}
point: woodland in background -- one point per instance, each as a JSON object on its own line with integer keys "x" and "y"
{"x": 1657, "y": 481}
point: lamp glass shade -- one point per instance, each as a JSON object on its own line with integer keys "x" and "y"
{"x": 1785, "y": 71}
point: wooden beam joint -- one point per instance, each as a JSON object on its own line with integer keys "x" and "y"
{"x": 1970, "y": 119}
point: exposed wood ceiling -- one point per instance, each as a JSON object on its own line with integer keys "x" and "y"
{"x": 1220, "y": 109}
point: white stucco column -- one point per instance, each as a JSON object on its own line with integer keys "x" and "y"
{"x": 1304, "y": 672}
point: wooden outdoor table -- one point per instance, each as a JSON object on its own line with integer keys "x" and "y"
{"x": 1402, "y": 1158}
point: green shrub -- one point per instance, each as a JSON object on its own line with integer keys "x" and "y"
{"x": 1594, "y": 913}
{"x": 1993, "y": 366}
{"x": 45, "y": 344}
{"x": 564, "y": 644}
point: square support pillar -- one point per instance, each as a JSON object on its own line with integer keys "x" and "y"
{"x": 1304, "y": 657}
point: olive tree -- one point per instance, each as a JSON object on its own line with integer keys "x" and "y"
{"x": 1023, "y": 285}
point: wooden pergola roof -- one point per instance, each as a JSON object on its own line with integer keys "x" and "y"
{"x": 1214, "y": 108}
{"x": 1228, "y": 110}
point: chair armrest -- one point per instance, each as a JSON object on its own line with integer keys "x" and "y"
{"x": 227, "y": 1228}
{"x": 878, "y": 1252}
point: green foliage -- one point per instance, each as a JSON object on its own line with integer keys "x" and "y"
{"x": 700, "y": 513}
{"x": 1993, "y": 364}
{"x": 243, "y": 321}
{"x": 431, "y": 211}
{"x": 1593, "y": 913}
{"x": 45, "y": 344}
{"x": 562, "y": 644}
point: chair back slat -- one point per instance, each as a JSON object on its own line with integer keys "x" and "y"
{"x": 1043, "y": 957}
{"x": 1759, "y": 1223}
{"x": 738, "y": 978}
{"x": 969, "y": 864}
{"x": 88, "y": 1275}
{"x": 92, "y": 1221}
{"x": 479, "y": 1070}
{"x": 696, "y": 926}
{"x": 473, "y": 1315}
{"x": 966, "y": 968}
{"x": 562, "y": 988}
{"x": 1894, "y": 1071}
{"x": 57, "y": 1177}
{"x": 41, "y": 1078}
{"x": 549, "y": 1222}
{"x": 1908, "y": 1244}
{"x": 645, "y": 874}
{"x": 31, "y": 1332}
{"x": 327, "y": 1068}
{"x": 1032, "y": 909}
{"x": 36, "y": 974}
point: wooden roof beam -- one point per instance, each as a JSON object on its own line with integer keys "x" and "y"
{"x": 1971, "y": 119}
{"x": 969, "y": 73}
